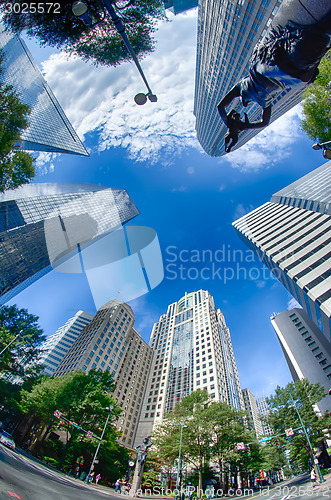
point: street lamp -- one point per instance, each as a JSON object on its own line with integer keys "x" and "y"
{"x": 98, "y": 447}
{"x": 326, "y": 146}
{"x": 315, "y": 461}
{"x": 80, "y": 10}
{"x": 182, "y": 425}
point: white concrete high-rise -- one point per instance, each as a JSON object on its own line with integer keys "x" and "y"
{"x": 192, "y": 350}
{"x": 307, "y": 352}
{"x": 291, "y": 235}
{"x": 253, "y": 420}
{"x": 57, "y": 345}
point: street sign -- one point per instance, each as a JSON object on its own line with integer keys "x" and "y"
{"x": 289, "y": 432}
{"x": 264, "y": 439}
{"x": 131, "y": 463}
{"x": 89, "y": 434}
{"x": 240, "y": 446}
{"x": 57, "y": 414}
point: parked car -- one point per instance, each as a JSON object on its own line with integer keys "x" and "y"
{"x": 7, "y": 439}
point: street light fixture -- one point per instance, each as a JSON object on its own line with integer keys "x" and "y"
{"x": 326, "y": 146}
{"x": 80, "y": 10}
{"x": 98, "y": 447}
{"x": 315, "y": 461}
{"x": 182, "y": 425}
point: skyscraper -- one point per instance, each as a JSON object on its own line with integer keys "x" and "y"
{"x": 111, "y": 343}
{"x": 57, "y": 345}
{"x": 291, "y": 235}
{"x": 307, "y": 352}
{"x": 42, "y": 226}
{"x": 49, "y": 129}
{"x": 228, "y": 31}
{"x": 264, "y": 411}
{"x": 192, "y": 350}
{"x": 251, "y": 407}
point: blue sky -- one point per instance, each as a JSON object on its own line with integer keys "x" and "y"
{"x": 189, "y": 198}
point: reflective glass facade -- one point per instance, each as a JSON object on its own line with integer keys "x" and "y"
{"x": 49, "y": 129}
{"x": 228, "y": 31}
{"x": 42, "y": 225}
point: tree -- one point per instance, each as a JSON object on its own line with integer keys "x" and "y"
{"x": 21, "y": 330}
{"x": 102, "y": 44}
{"x": 81, "y": 398}
{"x": 317, "y": 104}
{"x": 16, "y": 167}
{"x": 284, "y": 416}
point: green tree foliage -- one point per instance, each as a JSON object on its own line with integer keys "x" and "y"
{"x": 84, "y": 399}
{"x": 284, "y": 416}
{"x": 16, "y": 167}
{"x": 211, "y": 433}
{"x": 317, "y": 104}
{"x": 22, "y": 329}
{"x": 102, "y": 44}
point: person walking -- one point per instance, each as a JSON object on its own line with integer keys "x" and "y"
{"x": 313, "y": 477}
{"x": 97, "y": 479}
{"x": 117, "y": 485}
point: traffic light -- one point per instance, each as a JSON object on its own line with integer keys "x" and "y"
{"x": 248, "y": 450}
{"x": 277, "y": 444}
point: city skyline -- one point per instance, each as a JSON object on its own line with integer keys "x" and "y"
{"x": 187, "y": 197}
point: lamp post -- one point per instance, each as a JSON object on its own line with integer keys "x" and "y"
{"x": 80, "y": 10}
{"x": 98, "y": 447}
{"x": 326, "y": 146}
{"x": 321, "y": 478}
{"x": 182, "y": 425}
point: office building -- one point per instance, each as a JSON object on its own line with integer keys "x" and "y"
{"x": 179, "y": 6}
{"x": 291, "y": 235}
{"x": 253, "y": 414}
{"x": 42, "y": 226}
{"x": 264, "y": 411}
{"x": 57, "y": 345}
{"x": 49, "y": 129}
{"x": 306, "y": 350}
{"x": 110, "y": 343}
{"x": 228, "y": 31}
{"x": 192, "y": 350}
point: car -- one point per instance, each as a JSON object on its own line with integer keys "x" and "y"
{"x": 7, "y": 439}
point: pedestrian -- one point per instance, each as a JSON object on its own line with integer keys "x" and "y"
{"x": 97, "y": 479}
{"x": 117, "y": 485}
{"x": 313, "y": 477}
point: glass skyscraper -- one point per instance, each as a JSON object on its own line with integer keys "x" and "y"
{"x": 228, "y": 31}
{"x": 42, "y": 226}
{"x": 292, "y": 236}
{"x": 192, "y": 350}
{"x": 49, "y": 129}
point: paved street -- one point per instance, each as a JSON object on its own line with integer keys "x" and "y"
{"x": 25, "y": 479}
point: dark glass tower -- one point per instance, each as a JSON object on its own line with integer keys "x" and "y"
{"x": 49, "y": 129}
{"x": 43, "y": 225}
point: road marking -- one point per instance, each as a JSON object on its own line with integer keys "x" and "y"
{"x": 13, "y": 494}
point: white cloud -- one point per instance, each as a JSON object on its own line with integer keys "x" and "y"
{"x": 241, "y": 210}
{"x": 101, "y": 98}
{"x": 269, "y": 146}
{"x": 292, "y": 303}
